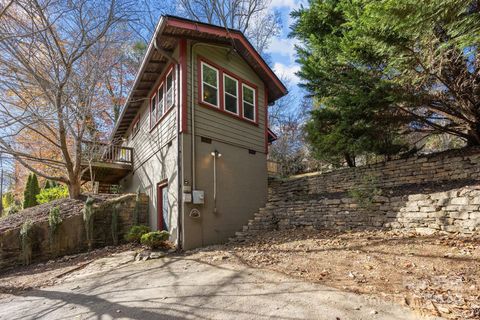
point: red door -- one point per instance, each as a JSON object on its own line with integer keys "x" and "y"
{"x": 162, "y": 206}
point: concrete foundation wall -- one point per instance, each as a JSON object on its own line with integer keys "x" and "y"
{"x": 241, "y": 190}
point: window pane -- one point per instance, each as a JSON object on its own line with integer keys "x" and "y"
{"x": 160, "y": 102}
{"x": 169, "y": 90}
{"x": 154, "y": 106}
{"x": 247, "y": 95}
{"x": 210, "y": 94}
{"x": 248, "y": 111}
{"x": 230, "y": 86}
{"x": 169, "y": 98}
{"x": 230, "y": 103}
{"x": 209, "y": 75}
{"x": 169, "y": 81}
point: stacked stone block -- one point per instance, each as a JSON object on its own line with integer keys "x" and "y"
{"x": 438, "y": 192}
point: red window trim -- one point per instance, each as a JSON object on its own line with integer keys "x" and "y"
{"x": 221, "y": 107}
{"x": 238, "y": 94}
{"x": 163, "y": 78}
{"x": 219, "y": 86}
{"x": 134, "y": 122}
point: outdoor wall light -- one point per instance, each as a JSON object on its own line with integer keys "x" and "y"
{"x": 216, "y": 153}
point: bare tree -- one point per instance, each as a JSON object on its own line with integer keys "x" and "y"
{"x": 50, "y": 79}
{"x": 4, "y": 5}
{"x": 287, "y": 118}
{"x": 253, "y": 17}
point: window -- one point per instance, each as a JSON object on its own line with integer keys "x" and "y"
{"x": 153, "y": 108}
{"x": 164, "y": 97}
{"x": 136, "y": 126}
{"x": 230, "y": 86}
{"x": 226, "y": 92}
{"x": 169, "y": 91}
{"x": 248, "y": 97}
{"x": 209, "y": 92}
{"x": 160, "y": 100}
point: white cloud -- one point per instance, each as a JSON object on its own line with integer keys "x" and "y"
{"x": 291, "y": 4}
{"x": 287, "y": 71}
{"x": 283, "y": 47}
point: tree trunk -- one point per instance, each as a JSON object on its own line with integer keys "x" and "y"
{"x": 474, "y": 136}
{"x": 74, "y": 189}
{"x": 350, "y": 160}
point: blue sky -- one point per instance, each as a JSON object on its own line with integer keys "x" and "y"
{"x": 282, "y": 50}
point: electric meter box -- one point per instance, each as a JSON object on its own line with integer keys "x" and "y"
{"x": 198, "y": 197}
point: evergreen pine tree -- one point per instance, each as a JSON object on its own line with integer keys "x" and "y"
{"x": 47, "y": 185}
{"x": 27, "y": 193}
{"x": 35, "y": 189}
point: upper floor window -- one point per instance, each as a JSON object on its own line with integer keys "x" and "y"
{"x": 221, "y": 89}
{"x": 249, "y": 105}
{"x": 163, "y": 98}
{"x": 169, "y": 91}
{"x": 153, "y": 107}
{"x": 231, "y": 94}
{"x": 160, "y": 102}
{"x": 136, "y": 126}
{"x": 209, "y": 88}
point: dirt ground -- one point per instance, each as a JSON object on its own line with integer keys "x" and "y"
{"x": 437, "y": 275}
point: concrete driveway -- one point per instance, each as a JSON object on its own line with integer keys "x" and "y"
{"x": 182, "y": 288}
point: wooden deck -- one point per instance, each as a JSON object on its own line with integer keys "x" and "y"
{"x": 109, "y": 163}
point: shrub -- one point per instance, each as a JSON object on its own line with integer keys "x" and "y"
{"x": 8, "y": 200}
{"x": 16, "y": 208}
{"x": 54, "y": 221}
{"x": 30, "y": 192}
{"x": 365, "y": 192}
{"x": 88, "y": 220}
{"x": 155, "y": 239}
{"x": 52, "y": 193}
{"x": 26, "y": 240}
{"x": 136, "y": 232}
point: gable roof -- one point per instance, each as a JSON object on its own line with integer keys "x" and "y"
{"x": 164, "y": 40}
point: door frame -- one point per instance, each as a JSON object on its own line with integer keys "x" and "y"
{"x": 160, "y": 186}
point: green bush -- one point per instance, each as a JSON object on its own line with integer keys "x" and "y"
{"x": 88, "y": 213}
{"x": 136, "y": 232}
{"x": 365, "y": 192}
{"x": 54, "y": 219}
{"x": 52, "y": 193}
{"x": 26, "y": 238}
{"x": 155, "y": 239}
{"x": 16, "y": 208}
{"x": 8, "y": 200}
{"x": 31, "y": 191}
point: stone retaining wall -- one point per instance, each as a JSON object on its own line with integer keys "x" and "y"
{"x": 70, "y": 237}
{"x": 439, "y": 192}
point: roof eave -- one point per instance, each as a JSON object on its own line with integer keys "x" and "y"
{"x": 151, "y": 45}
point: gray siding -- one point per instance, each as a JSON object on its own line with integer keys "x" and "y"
{"x": 216, "y": 125}
{"x": 156, "y": 159}
{"x": 148, "y": 142}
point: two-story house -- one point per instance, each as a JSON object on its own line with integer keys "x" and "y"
{"x": 194, "y": 131}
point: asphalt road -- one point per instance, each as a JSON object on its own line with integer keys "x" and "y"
{"x": 182, "y": 288}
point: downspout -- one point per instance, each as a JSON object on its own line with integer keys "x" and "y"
{"x": 192, "y": 111}
{"x": 179, "y": 161}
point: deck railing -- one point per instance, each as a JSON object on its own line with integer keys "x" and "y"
{"x": 273, "y": 167}
{"x": 107, "y": 153}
